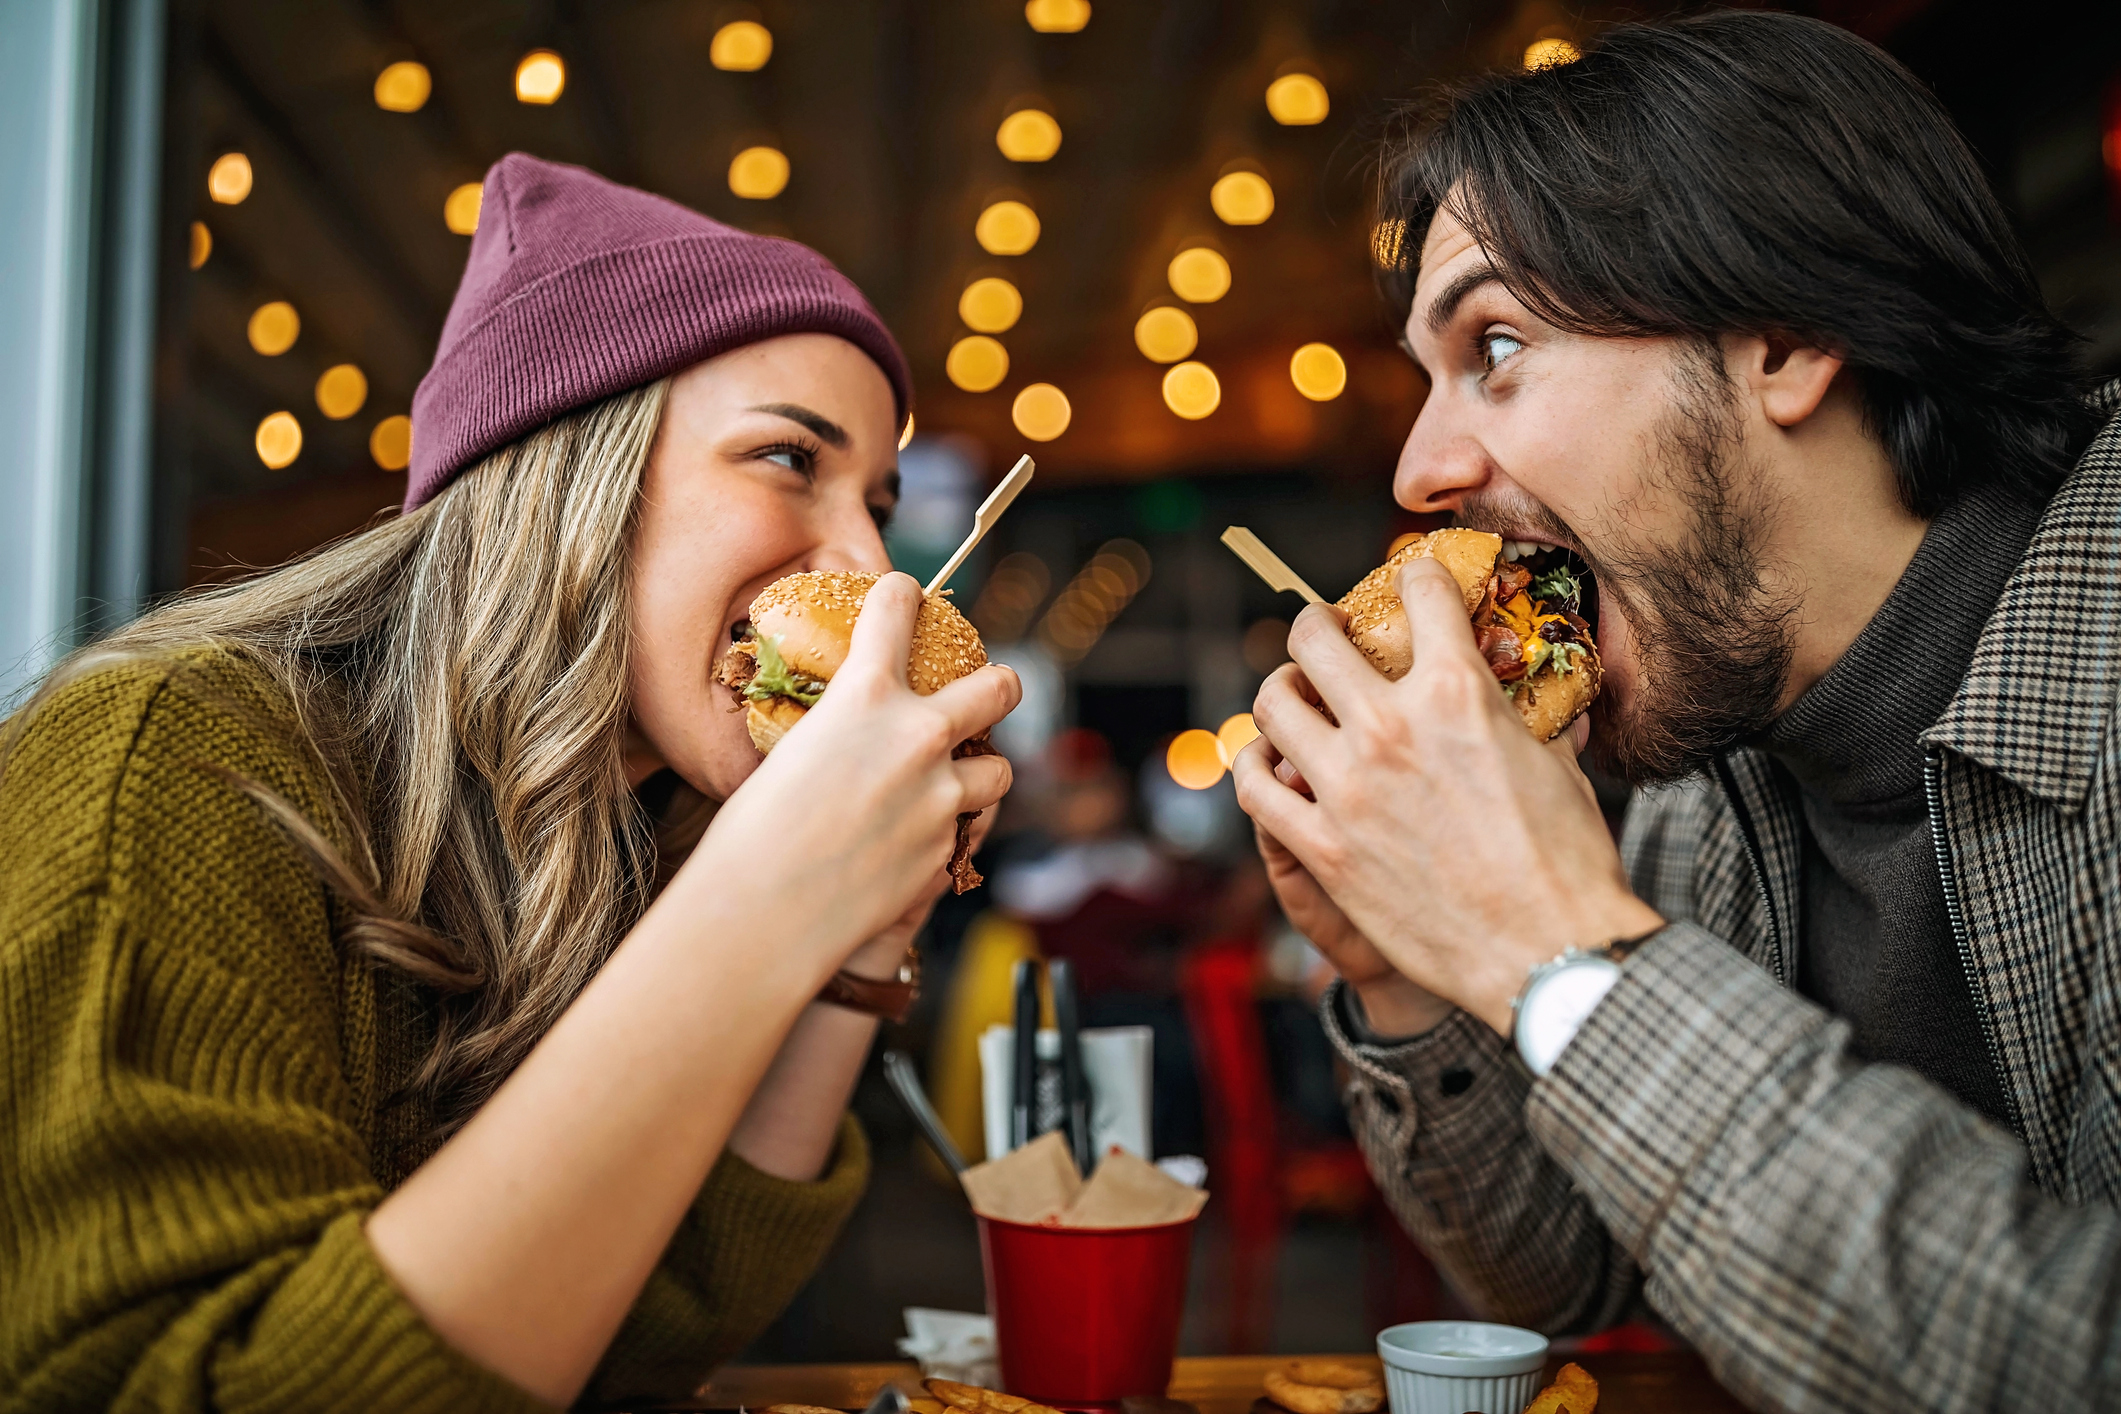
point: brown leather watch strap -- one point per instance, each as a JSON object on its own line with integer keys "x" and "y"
{"x": 891, "y": 998}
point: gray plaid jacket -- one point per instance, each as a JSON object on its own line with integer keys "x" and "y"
{"x": 1832, "y": 1235}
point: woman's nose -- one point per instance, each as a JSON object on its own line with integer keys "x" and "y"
{"x": 851, "y": 542}
{"x": 1440, "y": 464}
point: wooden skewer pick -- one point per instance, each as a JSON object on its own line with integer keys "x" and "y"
{"x": 990, "y": 511}
{"x": 1266, "y": 564}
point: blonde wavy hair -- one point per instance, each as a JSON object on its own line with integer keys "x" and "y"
{"x": 461, "y": 672}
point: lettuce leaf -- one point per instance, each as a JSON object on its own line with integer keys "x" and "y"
{"x": 776, "y": 679}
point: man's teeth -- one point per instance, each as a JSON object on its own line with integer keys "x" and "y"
{"x": 1523, "y": 549}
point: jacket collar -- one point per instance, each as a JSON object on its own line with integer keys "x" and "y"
{"x": 2046, "y": 668}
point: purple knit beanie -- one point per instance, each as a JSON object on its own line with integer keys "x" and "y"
{"x": 578, "y": 288}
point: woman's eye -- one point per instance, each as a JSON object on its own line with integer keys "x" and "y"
{"x": 1495, "y": 348}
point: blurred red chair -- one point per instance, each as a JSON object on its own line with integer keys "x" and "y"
{"x": 1259, "y": 1173}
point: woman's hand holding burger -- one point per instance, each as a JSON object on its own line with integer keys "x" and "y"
{"x": 846, "y": 829}
{"x": 1431, "y": 821}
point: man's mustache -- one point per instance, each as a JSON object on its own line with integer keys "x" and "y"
{"x": 1521, "y": 517}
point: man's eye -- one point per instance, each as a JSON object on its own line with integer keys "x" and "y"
{"x": 1495, "y": 348}
{"x": 794, "y": 458}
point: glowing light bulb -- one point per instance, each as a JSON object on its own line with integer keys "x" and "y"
{"x": 274, "y": 328}
{"x": 1318, "y": 372}
{"x": 1057, "y": 16}
{"x": 461, "y": 211}
{"x": 403, "y": 87}
{"x": 341, "y": 391}
{"x": 228, "y": 180}
{"x": 1192, "y": 390}
{"x": 279, "y": 439}
{"x": 990, "y": 306}
{"x": 1199, "y": 275}
{"x": 1298, "y": 100}
{"x": 390, "y": 443}
{"x": 1242, "y": 198}
{"x": 1166, "y": 334}
{"x": 758, "y": 173}
{"x": 977, "y": 363}
{"x": 1194, "y": 759}
{"x": 741, "y": 47}
{"x": 1006, "y": 228}
{"x": 1549, "y": 53}
{"x": 202, "y": 244}
{"x": 1234, "y": 735}
{"x": 1041, "y": 412}
{"x": 541, "y": 77}
{"x": 1028, "y": 136}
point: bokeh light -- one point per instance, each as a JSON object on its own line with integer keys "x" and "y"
{"x": 1194, "y": 759}
{"x": 1298, "y": 100}
{"x": 1192, "y": 390}
{"x": 1057, "y": 16}
{"x": 1041, "y": 412}
{"x": 390, "y": 443}
{"x": 740, "y": 47}
{"x": 1242, "y": 198}
{"x": 1265, "y": 645}
{"x": 1010, "y": 596}
{"x": 1199, "y": 275}
{"x": 403, "y": 87}
{"x": 758, "y": 173}
{"x": 228, "y": 180}
{"x": 202, "y": 244}
{"x": 906, "y": 437}
{"x": 460, "y": 211}
{"x": 1165, "y": 334}
{"x": 1547, "y": 53}
{"x": 1028, "y": 136}
{"x": 279, "y": 439}
{"x": 1234, "y": 735}
{"x": 1083, "y": 610}
{"x": 341, "y": 391}
{"x": 274, "y": 327}
{"x": 977, "y": 363}
{"x": 991, "y": 305}
{"x": 1319, "y": 372}
{"x": 541, "y": 77}
{"x": 1007, "y": 228}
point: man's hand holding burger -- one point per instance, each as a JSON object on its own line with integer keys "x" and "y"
{"x": 1436, "y": 827}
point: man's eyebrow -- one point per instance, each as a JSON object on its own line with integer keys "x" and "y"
{"x": 1454, "y": 294}
{"x": 817, "y": 422}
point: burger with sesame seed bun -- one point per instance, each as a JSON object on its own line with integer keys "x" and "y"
{"x": 798, "y": 634}
{"x": 1527, "y": 617}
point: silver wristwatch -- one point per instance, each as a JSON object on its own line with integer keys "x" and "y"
{"x": 1559, "y": 996}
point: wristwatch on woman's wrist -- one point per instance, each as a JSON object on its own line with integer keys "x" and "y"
{"x": 1559, "y": 996}
{"x": 891, "y": 998}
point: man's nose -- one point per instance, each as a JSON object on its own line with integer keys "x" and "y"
{"x": 1440, "y": 464}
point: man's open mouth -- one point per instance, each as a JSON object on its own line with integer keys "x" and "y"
{"x": 1559, "y": 575}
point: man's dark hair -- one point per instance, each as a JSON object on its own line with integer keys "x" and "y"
{"x": 1766, "y": 174}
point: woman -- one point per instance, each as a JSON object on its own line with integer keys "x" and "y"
{"x": 582, "y": 1128}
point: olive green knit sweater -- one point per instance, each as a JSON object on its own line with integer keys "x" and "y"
{"x": 193, "y": 1097}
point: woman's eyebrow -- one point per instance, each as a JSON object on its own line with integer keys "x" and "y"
{"x": 826, "y": 429}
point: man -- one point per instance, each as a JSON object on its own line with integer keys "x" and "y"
{"x": 1725, "y": 310}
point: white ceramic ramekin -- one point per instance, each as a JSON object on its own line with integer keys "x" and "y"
{"x": 1451, "y": 1367}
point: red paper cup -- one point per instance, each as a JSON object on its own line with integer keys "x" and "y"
{"x": 1086, "y": 1316}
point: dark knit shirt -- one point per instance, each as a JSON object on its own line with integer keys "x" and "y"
{"x": 1876, "y": 944}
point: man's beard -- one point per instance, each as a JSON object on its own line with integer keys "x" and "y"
{"x": 1712, "y": 640}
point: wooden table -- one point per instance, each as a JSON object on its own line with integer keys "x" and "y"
{"x": 1221, "y": 1384}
